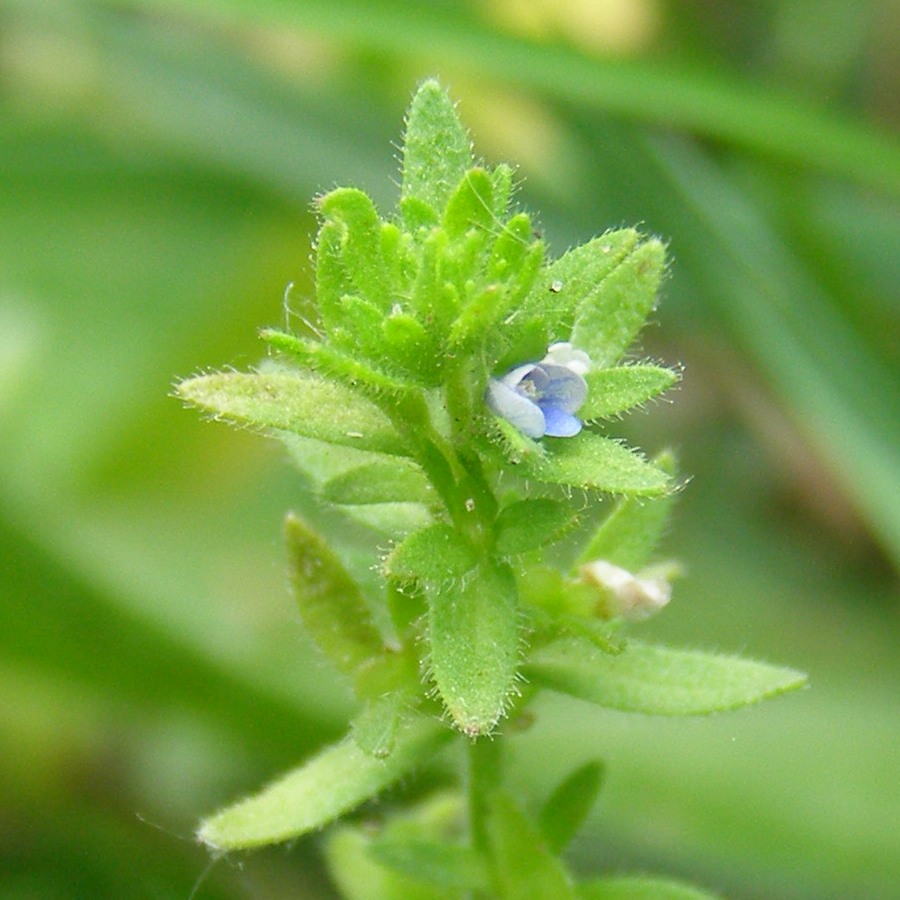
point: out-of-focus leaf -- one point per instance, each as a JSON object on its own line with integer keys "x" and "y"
{"x": 529, "y": 524}
{"x": 629, "y": 534}
{"x": 332, "y": 783}
{"x": 443, "y": 865}
{"x": 640, "y": 888}
{"x": 330, "y": 602}
{"x": 570, "y": 804}
{"x": 397, "y": 481}
{"x": 524, "y": 867}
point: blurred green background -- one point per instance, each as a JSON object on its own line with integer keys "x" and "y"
{"x": 157, "y": 162}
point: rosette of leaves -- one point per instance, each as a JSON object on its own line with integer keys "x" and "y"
{"x": 383, "y": 405}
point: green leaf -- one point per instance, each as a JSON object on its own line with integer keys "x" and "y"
{"x": 640, "y": 888}
{"x": 473, "y": 637}
{"x": 375, "y": 728}
{"x": 471, "y": 205}
{"x": 360, "y": 875}
{"x": 332, "y": 282}
{"x": 569, "y": 805}
{"x": 658, "y": 680}
{"x": 437, "y": 151}
{"x": 438, "y": 863}
{"x": 620, "y": 388}
{"x": 529, "y": 524}
{"x": 525, "y": 868}
{"x": 396, "y": 481}
{"x": 334, "y": 782}
{"x": 330, "y": 602}
{"x": 434, "y": 301}
{"x": 609, "y": 318}
{"x": 404, "y": 343}
{"x": 476, "y": 319}
{"x": 335, "y": 364}
{"x": 568, "y": 283}
{"x": 301, "y": 403}
{"x": 434, "y": 555}
{"x": 361, "y": 243}
{"x": 629, "y": 534}
{"x": 590, "y": 461}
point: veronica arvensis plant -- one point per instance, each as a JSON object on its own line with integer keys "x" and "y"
{"x": 453, "y": 395}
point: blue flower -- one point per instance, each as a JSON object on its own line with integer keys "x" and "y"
{"x": 542, "y": 398}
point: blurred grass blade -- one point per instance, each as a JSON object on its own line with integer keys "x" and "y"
{"x": 707, "y": 102}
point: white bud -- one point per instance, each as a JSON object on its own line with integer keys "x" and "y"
{"x": 627, "y": 596}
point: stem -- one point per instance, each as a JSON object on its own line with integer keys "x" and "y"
{"x": 485, "y": 766}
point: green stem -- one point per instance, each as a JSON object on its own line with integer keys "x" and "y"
{"x": 485, "y": 766}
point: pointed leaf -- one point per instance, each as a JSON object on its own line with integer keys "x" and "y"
{"x": 334, "y": 782}
{"x": 629, "y": 534}
{"x": 473, "y": 637}
{"x": 615, "y": 390}
{"x": 434, "y": 302}
{"x": 361, "y": 243}
{"x": 332, "y": 281}
{"x": 569, "y": 805}
{"x": 437, "y": 151}
{"x": 525, "y": 868}
{"x": 658, "y": 680}
{"x": 609, "y": 319}
{"x": 301, "y": 403}
{"x": 434, "y": 555}
{"x": 590, "y": 461}
{"x": 330, "y": 602}
{"x": 471, "y": 205}
{"x": 502, "y": 177}
{"x": 640, "y": 887}
{"x": 338, "y": 365}
{"x": 561, "y": 288}
{"x": 395, "y": 481}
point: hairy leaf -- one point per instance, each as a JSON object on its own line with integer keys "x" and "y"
{"x": 620, "y": 388}
{"x": 658, "y": 680}
{"x": 301, "y": 403}
{"x": 608, "y": 320}
{"x": 473, "y": 638}
{"x": 331, "y": 605}
{"x": 394, "y": 481}
{"x": 437, "y": 151}
{"x": 590, "y": 461}
{"x": 334, "y": 782}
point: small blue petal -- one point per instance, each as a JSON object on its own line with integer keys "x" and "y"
{"x": 563, "y": 387}
{"x": 516, "y": 408}
{"x": 560, "y": 423}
